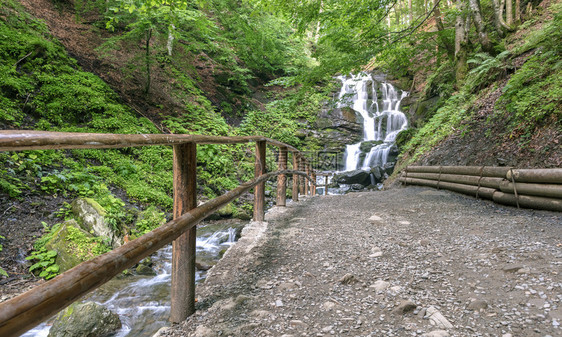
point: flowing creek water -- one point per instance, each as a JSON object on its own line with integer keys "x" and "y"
{"x": 381, "y": 122}
{"x": 143, "y": 302}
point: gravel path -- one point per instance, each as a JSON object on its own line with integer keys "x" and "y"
{"x": 405, "y": 262}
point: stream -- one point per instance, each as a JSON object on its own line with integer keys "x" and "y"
{"x": 143, "y": 302}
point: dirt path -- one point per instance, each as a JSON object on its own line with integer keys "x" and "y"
{"x": 430, "y": 263}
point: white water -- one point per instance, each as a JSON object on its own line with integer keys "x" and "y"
{"x": 359, "y": 92}
{"x": 143, "y": 302}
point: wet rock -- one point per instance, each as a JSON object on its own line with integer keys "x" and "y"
{"x": 143, "y": 269}
{"x": 353, "y": 177}
{"x": 436, "y": 318}
{"x": 404, "y": 307}
{"x": 163, "y": 332}
{"x": 85, "y": 320}
{"x": 357, "y": 187}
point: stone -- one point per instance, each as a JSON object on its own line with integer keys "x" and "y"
{"x": 143, "y": 269}
{"x": 436, "y": 318}
{"x": 162, "y": 332}
{"x": 85, "y": 320}
{"x": 375, "y": 219}
{"x": 348, "y": 279}
{"x": 512, "y": 268}
{"x": 66, "y": 257}
{"x": 297, "y": 324}
{"x": 278, "y": 303}
{"x": 92, "y": 218}
{"x": 203, "y": 331}
{"x": 436, "y": 333}
{"x": 477, "y": 305}
{"x": 380, "y": 285}
{"x": 329, "y": 306}
{"x": 353, "y": 177}
{"x": 405, "y": 307}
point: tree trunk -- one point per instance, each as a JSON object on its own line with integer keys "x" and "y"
{"x": 509, "y": 12}
{"x": 517, "y": 11}
{"x": 411, "y": 12}
{"x": 440, "y": 29}
{"x": 462, "y": 27}
{"x": 147, "y": 59}
{"x": 476, "y": 11}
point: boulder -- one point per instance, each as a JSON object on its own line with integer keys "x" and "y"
{"x": 85, "y": 320}
{"x": 92, "y": 217}
{"x": 66, "y": 258}
{"x": 388, "y": 168}
{"x": 378, "y": 174}
{"x": 353, "y": 177}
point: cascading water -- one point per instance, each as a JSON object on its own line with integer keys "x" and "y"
{"x": 359, "y": 92}
{"x": 143, "y": 302}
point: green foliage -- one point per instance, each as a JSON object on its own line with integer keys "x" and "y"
{"x": 2, "y": 271}
{"x": 150, "y": 219}
{"x": 83, "y": 246}
{"x": 45, "y": 265}
{"x": 488, "y": 69}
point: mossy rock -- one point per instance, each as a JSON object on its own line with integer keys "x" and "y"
{"x": 366, "y": 146}
{"x": 66, "y": 258}
{"x": 227, "y": 211}
{"x": 92, "y": 219}
{"x": 85, "y": 320}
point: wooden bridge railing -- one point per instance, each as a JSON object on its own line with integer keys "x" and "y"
{"x": 23, "y": 312}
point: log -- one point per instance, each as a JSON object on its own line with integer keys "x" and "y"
{"x": 548, "y": 176}
{"x": 183, "y": 248}
{"x": 528, "y": 201}
{"x": 302, "y": 180}
{"x": 306, "y": 181}
{"x": 23, "y": 312}
{"x": 460, "y": 179}
{"x": 483, "y": 192}
{"x": 539, "y": 190}
{"x": 326, "y": 185}
{"x": 282, "y": 178}
{"x": 259, "y": 191}
{"x": 485, "y": 171}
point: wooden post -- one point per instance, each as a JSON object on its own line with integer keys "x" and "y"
{"x": 183, "y": 248}
{"x": 282, "y": 179}
{"x": 313, "y": 183}
{"x": 259, "y": 190}
{"x": 295, "y": 177}
{"x": 302, "y": 180}
{"x": 306, "y": 180}
{"x": 326, "y": 185}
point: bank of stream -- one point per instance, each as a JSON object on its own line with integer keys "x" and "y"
{"x": 143, "y": 302}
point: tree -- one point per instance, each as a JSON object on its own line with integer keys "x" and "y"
{"x": 476, "y": 13}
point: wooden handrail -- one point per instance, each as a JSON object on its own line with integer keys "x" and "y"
{"x": 14, "y": 140}
{"x": 21, "y": 313}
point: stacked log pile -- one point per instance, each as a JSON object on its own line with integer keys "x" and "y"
{"x": 528, "y": 188}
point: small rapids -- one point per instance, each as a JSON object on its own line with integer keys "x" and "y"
{"x": 143, "y": 302}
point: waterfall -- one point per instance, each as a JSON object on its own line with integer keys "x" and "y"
{"x": 359, "y": 92}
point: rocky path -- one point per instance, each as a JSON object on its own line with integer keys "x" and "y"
{"x": 405, "y": 262}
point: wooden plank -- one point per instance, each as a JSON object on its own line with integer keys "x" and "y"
{"x": 282, "y": 178}
{"x": 25, "y": 311}
{"x": 295, "y": 191}
{"x": 183, "y": 248}
{"x": 314, "y": 185}
{"x": 259, "y": 191}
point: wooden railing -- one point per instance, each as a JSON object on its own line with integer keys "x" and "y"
{"x": 23, "y": 312}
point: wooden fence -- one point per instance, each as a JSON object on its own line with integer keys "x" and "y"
{"x": 23, "y": 312}
{"x": 529, "y": 188}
